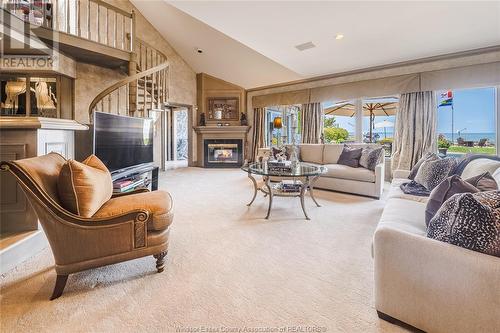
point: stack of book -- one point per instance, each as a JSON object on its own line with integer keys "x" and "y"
{"x": 279, "y": 166}
{"x": 291, "y": 185}
{"x": 127, "y": 185}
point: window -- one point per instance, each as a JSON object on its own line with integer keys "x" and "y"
{"x": 339, "y": 122}
{"x": 466, "y": 121}
{"x": 379, "y": 117}
{"x": 277, "y": 136}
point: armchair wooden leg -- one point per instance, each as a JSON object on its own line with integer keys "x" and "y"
{"x": 59, "y": 287}
{"x": 398, "y": 322}
{"x": 160, "y": 261}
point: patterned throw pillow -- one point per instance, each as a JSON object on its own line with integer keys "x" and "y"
{"x": 448, "y": 187}
{"x": 285, "y": 152}
{"x": 370, "y": 157}
{"x": 350, "y": 157}
{"x": 469, "y": 220}
{"x": 279, "y": 152}
{"x": 432, "y": 172}
{"x": 427, "y": 156}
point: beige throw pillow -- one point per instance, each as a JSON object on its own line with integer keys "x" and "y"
{"x": 84, "y": 187}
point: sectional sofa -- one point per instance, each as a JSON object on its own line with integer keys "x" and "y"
{"x": 341, "y": 177}
{"x": 429, "y": 284}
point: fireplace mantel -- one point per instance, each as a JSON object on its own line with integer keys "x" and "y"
{"x": 221, "y": 129}
{"x": 219, "y": 132}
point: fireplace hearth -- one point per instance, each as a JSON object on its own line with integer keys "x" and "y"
{"x": 223, "y": 153}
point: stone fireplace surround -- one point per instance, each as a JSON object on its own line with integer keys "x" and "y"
{"x": 220, "y": 133}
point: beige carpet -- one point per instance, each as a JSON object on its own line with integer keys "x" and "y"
{"x": 227, "y": 268}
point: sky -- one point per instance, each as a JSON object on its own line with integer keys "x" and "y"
{"x": 474, "y": 109}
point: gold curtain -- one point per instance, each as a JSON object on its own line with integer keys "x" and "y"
{"x": 258, "y": 139}
{"x": 311, "y": 121}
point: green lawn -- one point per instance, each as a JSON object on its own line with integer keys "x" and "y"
{"x": 475, "y": 150}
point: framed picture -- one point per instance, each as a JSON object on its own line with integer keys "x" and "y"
{"x": 223, "y": 108}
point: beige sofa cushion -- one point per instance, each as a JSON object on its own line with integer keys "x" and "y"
{"x": 404, "y": 215}
{"x": 479, "y": 166}
{"x": 84, "y": 187}
{"x": 312, "y": 153}
{"x": 331, "y": 153}
{"x": 346, "y": 172}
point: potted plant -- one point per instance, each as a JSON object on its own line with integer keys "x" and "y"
{"x": 443, "y": 145}
{"x": 387, "y": 144}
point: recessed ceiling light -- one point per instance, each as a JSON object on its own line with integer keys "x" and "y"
{"x": 339, "y": 36}
{"x": 305, "y": 46}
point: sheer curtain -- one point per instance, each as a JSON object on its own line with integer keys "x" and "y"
{"x": 311, "y": 122}
{"x": 258, "y": 136}
{"x": 415, "y": 131}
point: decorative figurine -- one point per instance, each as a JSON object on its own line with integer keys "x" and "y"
{"x": 202, "y": 119}
{"x": 243, "y": 119}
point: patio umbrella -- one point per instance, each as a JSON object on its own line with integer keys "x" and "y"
{"x": 371, "y": 110}
{"x": 384, "y": 124}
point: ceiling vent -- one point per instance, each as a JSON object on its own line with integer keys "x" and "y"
{"x": 305, "y": 46}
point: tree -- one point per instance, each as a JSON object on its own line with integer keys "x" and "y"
{"x": 329, "y": 122}
{"x": 335, "y": 134}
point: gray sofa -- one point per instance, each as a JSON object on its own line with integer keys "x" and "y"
{"x": 429, "y": 284}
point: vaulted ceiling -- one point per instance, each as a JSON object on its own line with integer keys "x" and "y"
{"x": 253, "y": 43}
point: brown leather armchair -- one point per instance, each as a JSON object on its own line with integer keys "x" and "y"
{"x": 128, "y": 226}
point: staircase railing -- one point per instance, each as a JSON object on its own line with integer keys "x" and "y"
{"x": 136, "y": 94}
{"x": 147, "y": 55}
{"x": 93, "y": 20}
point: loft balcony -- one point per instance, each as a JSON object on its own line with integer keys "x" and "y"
{"x": 89, "y": 31}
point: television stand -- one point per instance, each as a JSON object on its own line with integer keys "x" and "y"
{"x": 141, "y": 176}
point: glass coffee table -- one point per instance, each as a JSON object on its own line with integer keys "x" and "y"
{"x": 304, "y": 174}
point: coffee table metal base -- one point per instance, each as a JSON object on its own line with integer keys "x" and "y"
{"x": 271, "y": 191}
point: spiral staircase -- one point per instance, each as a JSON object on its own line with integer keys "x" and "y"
{"x": 146, "y": 88}
{"x": 94, "y": 31}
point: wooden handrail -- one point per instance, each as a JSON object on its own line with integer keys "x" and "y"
{"x": 125, "y": 82}
{"x": 139, "y": 41}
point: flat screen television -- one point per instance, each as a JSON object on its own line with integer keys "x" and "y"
{"x": 123, "y": 142}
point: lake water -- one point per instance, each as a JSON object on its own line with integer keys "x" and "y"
{"x": 466, "y": 136}
{"x": 472, "y": 136}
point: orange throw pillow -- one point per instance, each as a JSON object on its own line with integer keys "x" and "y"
{"x": 84, "y": 187}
